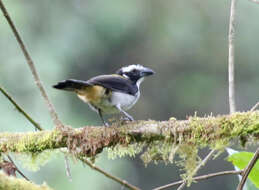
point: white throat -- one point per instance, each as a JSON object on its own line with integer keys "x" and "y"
{"x": 139, "y": 82}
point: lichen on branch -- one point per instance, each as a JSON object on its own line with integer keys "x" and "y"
{"x": 157, "y": 140}
{"x": 10, "y": 182}
{"x": 90, "y": 141}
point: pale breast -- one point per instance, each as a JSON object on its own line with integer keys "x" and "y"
{"x": 126, "y": 101}
{"x": 96, "y": 97}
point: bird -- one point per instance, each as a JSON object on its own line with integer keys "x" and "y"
{"x": 110, "y": 94}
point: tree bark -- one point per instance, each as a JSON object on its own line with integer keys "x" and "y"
{"x": 90, "y": 141}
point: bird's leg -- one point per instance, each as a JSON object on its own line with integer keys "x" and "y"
{"x": 128, "y": 116}
{"x": 101, "y": 116}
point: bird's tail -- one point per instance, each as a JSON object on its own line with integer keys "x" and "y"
{"x": 71, "y": 85}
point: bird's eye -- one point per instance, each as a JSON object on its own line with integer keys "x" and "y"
{"x": 134, "y": 70}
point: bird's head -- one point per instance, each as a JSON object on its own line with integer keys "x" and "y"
{"x": 135, "y": 73}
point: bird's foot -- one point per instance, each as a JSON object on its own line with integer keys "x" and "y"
{"x": 106, "y": 124}
{"x": 125, "y": 120}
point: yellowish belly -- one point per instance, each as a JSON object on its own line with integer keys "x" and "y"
{"x": 92, "y": 94}
{"x": 97, "y": 98}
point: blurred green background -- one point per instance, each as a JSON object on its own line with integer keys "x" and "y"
{"x": 185, "y": 42}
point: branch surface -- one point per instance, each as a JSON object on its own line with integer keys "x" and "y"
{"x": 90, "y": 141}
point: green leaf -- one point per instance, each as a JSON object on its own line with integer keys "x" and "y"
{"x": 249, "y": 185}
{"x": 241, "y": 160}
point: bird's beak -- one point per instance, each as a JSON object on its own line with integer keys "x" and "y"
{"x": 147, "y": 72}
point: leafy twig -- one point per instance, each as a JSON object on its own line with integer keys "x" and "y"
{"x": 231, "y": 57}
{"x": 34, "y": 123}
{"x": 114, "y": 178}
{"x": 202, "y": 177}
{"x": 248, "y": 169}
{"x": 51, "y": 108}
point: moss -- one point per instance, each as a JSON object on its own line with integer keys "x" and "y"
{"x": 159, "y": 140}
{"x": 31, "y": 142}
{"x": 240, "y": 125}
{"x": 34, "y": 161}
{"x": 35, "y": 152}
{"x": 189, "y": 161}
{"x": 213, "y": 132}
{"x": 128, "y": 150}
{"x": 158, "y": 151}
{"x": 12, "y": 183}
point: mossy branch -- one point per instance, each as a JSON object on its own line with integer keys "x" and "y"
{"x": 9, "y": 182}
{"x": 89, "y": 141}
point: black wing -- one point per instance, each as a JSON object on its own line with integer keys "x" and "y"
{"x": 115, "y": 83}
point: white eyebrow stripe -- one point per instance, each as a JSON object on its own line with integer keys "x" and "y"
{"x": 131, "y": 67}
